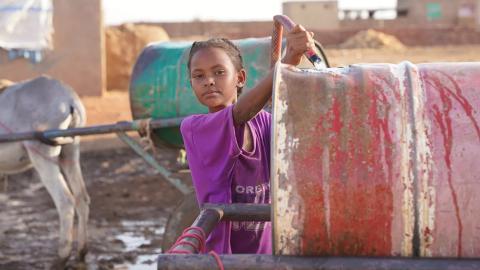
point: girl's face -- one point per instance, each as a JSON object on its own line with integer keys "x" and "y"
{"x": 214, "y": 78}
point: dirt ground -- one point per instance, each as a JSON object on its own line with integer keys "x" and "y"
{"x": 344, "y": 57}
{"x": 130, "y": 202}
{"x": 130, "y": 205}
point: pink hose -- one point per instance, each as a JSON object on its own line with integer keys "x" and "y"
{"x": 280, "y": 22}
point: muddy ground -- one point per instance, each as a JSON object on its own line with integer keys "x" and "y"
{"x": 130, "y": 205}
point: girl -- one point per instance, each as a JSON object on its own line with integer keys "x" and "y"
{"x": 228, "y": 149}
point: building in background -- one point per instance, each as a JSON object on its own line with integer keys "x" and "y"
{"x": 319, "y": 15}
{"x": 76, "y": 56}
{"x": 326, "y": 15}
{"x": 440, "y": 12}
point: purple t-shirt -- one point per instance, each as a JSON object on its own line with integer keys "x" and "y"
{"x": 223, "y": 172}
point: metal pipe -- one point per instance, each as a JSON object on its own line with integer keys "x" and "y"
{"x": 212, "y": 214}
{"x": 243, "y": 211}
{"x": 177, "y": 183}
{"x": 92, "y": 130}
{"x": 206, "y": 220}
{"x": 268, "y": 262}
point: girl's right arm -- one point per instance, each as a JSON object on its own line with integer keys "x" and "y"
{"x": 250, "y": 103}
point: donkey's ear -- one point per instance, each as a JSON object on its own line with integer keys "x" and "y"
{"x": 4, "y": 84}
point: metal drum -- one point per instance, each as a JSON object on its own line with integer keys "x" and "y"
{"x": 160, "y": 86}
{"x": 377, "y": 160}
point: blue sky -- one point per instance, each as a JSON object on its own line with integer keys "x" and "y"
{"x": 119, "y": 11}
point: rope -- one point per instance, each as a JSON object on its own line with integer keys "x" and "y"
{"x": 198, "y": 234}
{"x": 145, "y": 132}
{"x": 217, "y": 259}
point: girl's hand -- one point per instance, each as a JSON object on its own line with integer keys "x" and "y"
{"x": 298, "y": 42}
{"x": 251, "y": 102}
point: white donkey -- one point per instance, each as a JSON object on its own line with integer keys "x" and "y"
{"x": 39, "y": 104}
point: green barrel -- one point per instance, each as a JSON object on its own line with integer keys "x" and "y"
{"x": 160, "y": 87}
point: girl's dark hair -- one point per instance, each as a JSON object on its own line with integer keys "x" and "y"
{"x": 222, "y": 43}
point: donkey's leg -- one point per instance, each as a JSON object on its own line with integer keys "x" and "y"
{"x": 45, "y": 161}
{"x": 70, "y": 165}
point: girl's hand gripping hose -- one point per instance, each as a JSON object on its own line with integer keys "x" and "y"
{"x": 280, "y": 22}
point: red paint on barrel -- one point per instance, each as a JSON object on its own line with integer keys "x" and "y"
{"x": 359, "y": 189}
{"x": 444, "y": 121}
{"x": 379, "y": 163}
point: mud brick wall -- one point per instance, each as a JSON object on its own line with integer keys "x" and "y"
{"x": 77, "y": 57}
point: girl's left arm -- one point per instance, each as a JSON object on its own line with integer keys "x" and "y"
{"x": 250, "y": 103}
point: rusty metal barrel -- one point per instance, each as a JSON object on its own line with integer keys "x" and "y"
{"x": 377, "y": 160}
{"x": 160, "y": 86}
